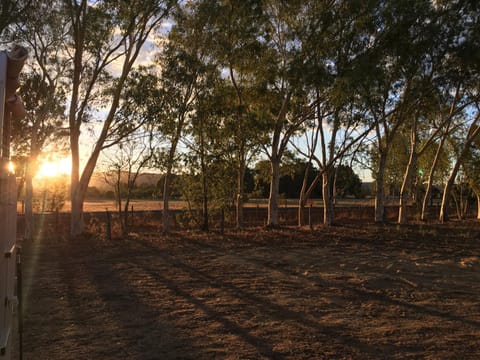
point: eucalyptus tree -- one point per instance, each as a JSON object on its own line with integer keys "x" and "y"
{"x": 472, "y": 132}
{"x": 14, "y": 12}
{"x": 471, "y": 166}
{"x": 182, "y": 77}
{"x": 235, "y": 40}
{"x": 206, "y": 143}
{"x": 45, "y": 91}
{"x": 445, "y": 85}
{"x": 128, "y": 159}
{"x": 284, "y": 103}
{"x": 463, "y": 71}
{"x": 331, "y": 43}
{"x": 105, "y": 39}
{"x": 391, "y": 68}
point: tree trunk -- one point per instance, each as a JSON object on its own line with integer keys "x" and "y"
{"x": 166, "y": 201}
{"x": 272, "y": 220}
{"x": 205, "y": 204}
{"x": 76, "y": 200}
{"x": 240, "y": 194}
{"x": 301, "y": 206}
{"x": 478, "y": 205}
{"x": 328, "y": 208}
{"x": 472, "y": 135}
{"x": 76, "y": 225}
{"x": 203, "y": 165}
{"x": 303, "y": 197}
{"x": 428, "y": 191}
{"x": 402, "y": 209}
{"x": 443, "y": 217}
{"x": 379, "y": 191}
{"x": 126, "y": 216}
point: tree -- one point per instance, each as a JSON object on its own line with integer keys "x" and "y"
{"x": 471, "y": 166}
{"x": 45, "y": 88}
{"x": 347, "y": 183}
{"x": 396, "y": 59}
{"x": 206, "y": 140}
{"x": 126, "y": 163}
{"x": 111, "y": 32}
{"x": 182, "y": 77}
{"x": 238, "y": 49}
{"x": 463, "y": 68}
{"x": 285, "y": 106}
{"x": 472, "y": 133}
{"x": 14, "y": 12}
{"x": 332, "y": 42}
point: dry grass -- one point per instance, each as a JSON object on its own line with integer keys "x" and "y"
{"x": 346, "y": 292}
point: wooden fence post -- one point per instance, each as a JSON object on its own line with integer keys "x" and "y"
{"x": 131, "y": 216}
{"x": 310, "y": 217}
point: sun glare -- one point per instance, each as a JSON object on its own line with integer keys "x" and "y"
{"x": 50, "y": 168}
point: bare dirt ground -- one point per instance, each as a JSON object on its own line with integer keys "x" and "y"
{"x": 347, "y": 292}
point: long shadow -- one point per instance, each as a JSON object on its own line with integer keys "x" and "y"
{"x": 364, "y": 293}
{"x": 262, "y": 346}
{"x": 281, "y": 313}
{"x": 106, "y": 281}
{"x": 122, "y": 309}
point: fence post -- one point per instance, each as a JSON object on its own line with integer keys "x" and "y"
{"x": 131, "y": 216}
{"x": 310, "y": 217}
{"x": 109, "y": 225}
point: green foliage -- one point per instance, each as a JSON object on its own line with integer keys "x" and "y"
{"x": 347, "y": 183}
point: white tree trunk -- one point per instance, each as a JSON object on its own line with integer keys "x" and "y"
{"x": 402, "y": 209}
{"x": 166, "y": 202}
{"x": 379, "y": 191}
{"x": 443, "y": 217}
{"x": 428, "y": 191}
{"x": 272, "y": 220}
{"x": 328, "y": 208}
{"x": 478, "y": 206}
{"x": 240, "y": 194}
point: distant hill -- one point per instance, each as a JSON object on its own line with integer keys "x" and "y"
{"x": 98, "y": 180}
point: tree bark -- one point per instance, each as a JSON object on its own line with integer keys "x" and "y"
{"x": 428, "y": 191}
{"x": 478, "y": 205}
{"x": 328, "y": 207}
{"x": 240, "y": 194}
{"x": 166, "y": 201}
{"x": 272, "y": 220}
{"x": 76, "y": 225}
{"x": 76, "y": 200}
{"x": 402, "y": 209}
{"x": 443, "y": 217}
{"x": 472, "y": 135}
{"x": 412, "y": 163}
{"x": 379, "y": 191}
{"x": 303, "y": 198}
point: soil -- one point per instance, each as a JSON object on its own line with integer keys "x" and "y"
{"x": 345, "y": 292}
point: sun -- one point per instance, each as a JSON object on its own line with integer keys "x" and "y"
{"x": 54, "y": 168}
